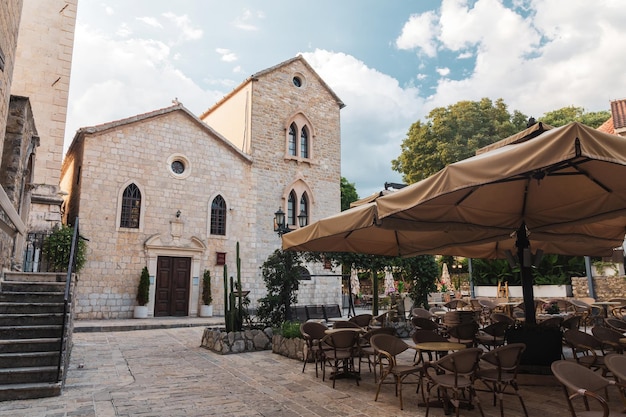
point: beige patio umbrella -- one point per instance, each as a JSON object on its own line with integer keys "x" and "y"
{"x": 390, "y": 286}
{"x": 355, "y": 285}
{"x": 561, "y": 192}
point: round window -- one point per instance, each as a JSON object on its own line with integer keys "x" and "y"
{"x": 297, "y": 81}
{"x": 178, "y": 167}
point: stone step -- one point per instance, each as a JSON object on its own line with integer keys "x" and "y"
{"x": 29, "y": 359}
{"x": 41, "y": 319}
{"x": 35, "y": 276}
{"x": 30, "y": 345}
{"x": 35, "y": 374}
{"x": 29, "y": 391}
{"x": 30, "y": 308}
{"x": 32, "y": 297}
{"x": 29, "y": 332}
{"x": 25, "y": 286}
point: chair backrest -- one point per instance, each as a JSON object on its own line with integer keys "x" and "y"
{"x": 299, "y": 313}
{"x": 315, "y": 312}
{"x": 576, "y": 377}
{"x": 345, "y": 324}
{"x": 475, "y": 304}
{"x": 421, "y": 336}
{"x": 572, "y": 322}
{"x": 462, "y": 362}
{"x": 506, "y": 358}
{"x": 497, "y": 329}
{"x": 424, "y": 323}
{"x": 487, "y": 304}
{"x": 607, "y": 334}
{"x": 421, "y": 312}
{"x": 466, "y": 331}
{"x": 331, "y": 311}
{"x": 617, "y": 324}
{"x": 552, "y": 322}
{"x": 362, "y": 320}
{"x": 501, "y": 317}
{"x": 580, "y": 340}
{"x": 616, "y": 364}
{"x": 393, "y": 345}
{"x": 342, "y": 339}
{"x": 455, "y": 304}
{"x": 379, "y": 330}
{"x": 313, "y": 330}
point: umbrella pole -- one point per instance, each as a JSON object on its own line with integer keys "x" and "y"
{"x": 351, "y": 311}
{"x": 375, "y": 292}
{"x": 523, "y": 251}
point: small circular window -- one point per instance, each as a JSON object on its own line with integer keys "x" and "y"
{"x": 297, "y": 81}
{"x": 178, "y": 165}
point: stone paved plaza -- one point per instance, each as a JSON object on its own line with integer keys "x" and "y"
{"x": 164, "y": 372}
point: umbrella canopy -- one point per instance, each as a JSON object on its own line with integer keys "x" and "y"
{"x": 355, "y": 284}
{"x": 561, "y": 191}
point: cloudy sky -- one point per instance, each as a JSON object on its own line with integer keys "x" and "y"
{"x": 390, "y": 62}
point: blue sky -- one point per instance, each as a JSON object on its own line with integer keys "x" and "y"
{"x": 391, "y": 62}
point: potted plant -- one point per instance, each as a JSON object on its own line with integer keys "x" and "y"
{"x": 143, "y": 295}
{"x": 206, "y": 309}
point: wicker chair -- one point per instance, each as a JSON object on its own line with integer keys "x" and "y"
{"x": 363, "y": 320}
{"x": 503, "y": 374}
{"x": 453, "y": 375}
{"x": 587, "y": 350}
{"x": 343, "y": 347}
{"x": 313, "y": 333}
{"x": 609, "y": 337}
{"x": 388, "y": 348}
{"x": 493, "y": 335}
{"x": 367, "y": 350}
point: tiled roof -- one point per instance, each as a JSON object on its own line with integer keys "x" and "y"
{"x": 607, "y": 127}
{"x": 618, "y": 111}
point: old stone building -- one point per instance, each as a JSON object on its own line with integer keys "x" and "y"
{"x": 36, "y": 40}
{"x": 176, "y": 192}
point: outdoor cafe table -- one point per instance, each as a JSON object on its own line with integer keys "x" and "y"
{"x": 507, "y": 306}
{"x": 605, "y": 305}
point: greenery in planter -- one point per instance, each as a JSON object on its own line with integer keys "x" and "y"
{"x": 207, "y": 299}
{"x": 290, "y": 330}
{"x": 57, "y": 247}
{"x": 143, "y": 290}
{"x": 552, "y": 270}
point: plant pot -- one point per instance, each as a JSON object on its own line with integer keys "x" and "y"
{"x": 141, "y": 312}
{"x": 206, "y": 311}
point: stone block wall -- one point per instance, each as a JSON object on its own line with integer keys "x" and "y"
{"x": 224, "y": 343}
{"x": 605, "y": 287}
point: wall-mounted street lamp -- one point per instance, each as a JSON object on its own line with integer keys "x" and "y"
{"x": 281, "y": 227}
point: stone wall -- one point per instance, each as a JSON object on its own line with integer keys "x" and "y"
{"x": 224, "y": 343}
{"x": 605, "y": 287}
{"x": 292, "y": 348}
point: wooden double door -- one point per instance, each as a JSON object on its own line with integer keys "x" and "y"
{"x": 172, "y": 286}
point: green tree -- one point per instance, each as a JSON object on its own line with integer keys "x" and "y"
{"x": 281, "y": 274}
{"x": 454, "y": 133}
{"x": 420, "y": 272}
{"x": 569, "y": 114}
{"x": 348, "y": 194}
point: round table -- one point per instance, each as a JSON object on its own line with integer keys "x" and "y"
{"x": 439, "y": 347}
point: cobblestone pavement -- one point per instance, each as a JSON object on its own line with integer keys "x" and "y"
{"x": 164, "y": 372}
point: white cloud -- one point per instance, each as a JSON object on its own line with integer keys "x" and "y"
{"x": 150, "y": 21}
{"x": 375, "y": 120}
{"x": 188, "y": 32}
{"x": 419, "y": 33}
{"x": 243, "y": 22}
{"x": 443, "y": 71}
{"x": 226, "y": 54}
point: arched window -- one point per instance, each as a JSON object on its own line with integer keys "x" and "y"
{"x": 304, "y": 143}
{"x": 291, "y": 209}
{"x": 131, "y": 207}
{"x": 292, "y": 139}
{"x": 218, "y": 216}
{"x": 304, "y": 208}
{"x": 304, "y": 273}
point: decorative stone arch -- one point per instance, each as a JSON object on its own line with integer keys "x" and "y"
{"x": 142, "y": 213}
{"x": 299, "y": 187}
{"x": 208, "y": 220}
{"x": 301, "y": 121}
{"x": 161, "y": 245}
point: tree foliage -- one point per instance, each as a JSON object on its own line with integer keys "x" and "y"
{"x": 569, "y": 114}
{"x": 454, "y": 133}
{"x": 348, "y": 194}
{"x": 281, "y": 274}
{"x": 143, "y": 289}
{"x": 420, "y": 273}
{"x": 57, "y": 248}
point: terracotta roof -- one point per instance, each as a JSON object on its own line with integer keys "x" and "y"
{"x": 618, "y": 111}
{"x": 607, "y": 127}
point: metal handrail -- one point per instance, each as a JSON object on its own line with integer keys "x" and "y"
{"x": 66, "y": 297}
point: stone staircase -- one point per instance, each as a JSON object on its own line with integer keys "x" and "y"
{"x": 32, "y": 363}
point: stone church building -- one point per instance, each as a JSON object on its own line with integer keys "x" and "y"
{"x": 175, "y": 192}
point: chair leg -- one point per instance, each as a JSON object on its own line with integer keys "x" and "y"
{"x": 521, "y": 400}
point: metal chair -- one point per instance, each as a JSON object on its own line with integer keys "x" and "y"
{"x": 505, "y": 361}
{"x": 463, "y": 333}
{"x": 421, "y": 312}
{"x": 389, "y": 347}
{"x": 579, "y": 382}
{"x": 362, "y": 320}
{"x": 367, "y": 350}
{"x": 343, "y": 346}
{"x": 420, "y": 336}
{"x": 454, "y": 373}
{"x": 609, "y": 337}
{"x": 493, "y": 335}
{"x": 587, "y": 350}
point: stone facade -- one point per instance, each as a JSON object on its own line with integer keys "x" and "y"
{"x": 254, "y": 176}
{"x": 605, "y": 287}
{"x": 226, "y": 343}
{"x": 42, "y": 73}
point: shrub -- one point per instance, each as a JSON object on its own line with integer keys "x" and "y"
{"x": 207, "y": 299}
{"x": 57, "y": 247}
{"x": 143, "y": 290}
{"x": 290, "y": 330}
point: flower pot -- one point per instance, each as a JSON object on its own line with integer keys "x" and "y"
{"x": 141, "y": 312}
{"x": 206, "y": 311}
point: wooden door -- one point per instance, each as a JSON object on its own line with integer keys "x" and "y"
{"x": 172, "y": 286}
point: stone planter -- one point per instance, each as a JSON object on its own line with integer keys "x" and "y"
{"x": 222, "y": 342}
{"x": 206, "y": 311}
{"x": 140, "y": 312}
{"x": 543, "y": 346}
{"x": 292, "y": 348}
